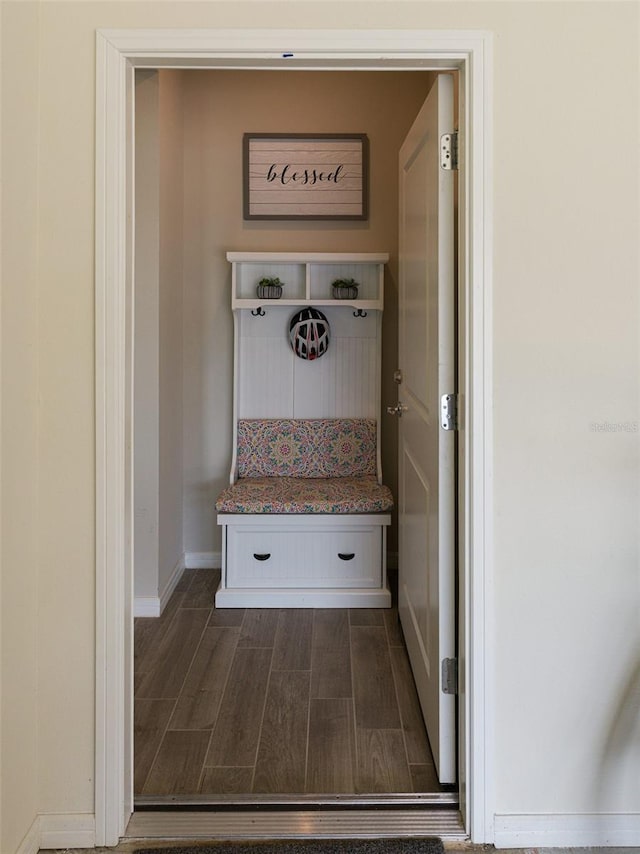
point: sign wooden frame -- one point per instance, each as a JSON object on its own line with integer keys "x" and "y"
{"x": 306, "y": 176}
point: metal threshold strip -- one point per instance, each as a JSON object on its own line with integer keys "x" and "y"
{"x": 296, "y": 824}
{"x": 297, "y": 817}
{"x": 148, "y": 803}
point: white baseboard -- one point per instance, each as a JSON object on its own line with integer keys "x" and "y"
{"x": 68, "y": 830}
{"x": 202, "y": 560}
{"x": 172, "y": 583}
{"x": 562, "y": 830}
{"x": 31, "y": 842}
{"x": 153, "y": 606}
{"x": 60, "y": 830}
{"x": 146, "y": 606}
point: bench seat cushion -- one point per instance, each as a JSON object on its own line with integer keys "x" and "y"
{"x": 305, "y": 495}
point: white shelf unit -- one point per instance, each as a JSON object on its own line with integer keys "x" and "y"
{"x": 270, "y": 382}
{"x": 307, "y": 278}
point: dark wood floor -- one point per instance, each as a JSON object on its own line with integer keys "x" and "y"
{"x": 273, "y": 701}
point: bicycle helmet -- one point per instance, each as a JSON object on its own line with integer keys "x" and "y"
{"x": 309, "y": 334}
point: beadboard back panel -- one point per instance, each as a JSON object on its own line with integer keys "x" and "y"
{"x": 348, "y": 385}
{"x": 272, "y": 382}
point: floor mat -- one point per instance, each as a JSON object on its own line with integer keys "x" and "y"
{"x": 311, "y": 846}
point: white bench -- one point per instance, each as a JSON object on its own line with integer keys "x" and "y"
{"x": 304, "y": 524}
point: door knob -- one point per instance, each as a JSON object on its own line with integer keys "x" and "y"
{"x": 398, "y": 409}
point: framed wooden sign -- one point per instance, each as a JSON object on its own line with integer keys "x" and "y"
{"x": 306, "y": 176}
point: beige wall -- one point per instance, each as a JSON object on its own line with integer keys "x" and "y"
{"x": 170, "y": 327}
{"x": 219, "y": 107}
{"x": 19, "y": 463}
{"x": 565, "y": 325}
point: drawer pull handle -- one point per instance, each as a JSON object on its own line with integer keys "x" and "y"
{"x": 265, "y": 556}
{"x": 349, "y": 556}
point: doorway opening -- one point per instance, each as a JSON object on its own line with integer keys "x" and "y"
{"x": 199, "y": 677}
{"x": 118, "y": 56}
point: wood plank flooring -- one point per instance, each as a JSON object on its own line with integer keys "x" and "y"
{"x": 274, "y": 701}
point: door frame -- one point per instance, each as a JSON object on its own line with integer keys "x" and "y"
{"x": 118, "y": 54}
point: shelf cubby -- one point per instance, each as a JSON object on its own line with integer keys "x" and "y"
{"x": 307, "y": 278}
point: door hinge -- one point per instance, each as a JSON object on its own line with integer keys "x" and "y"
{"x": 449, "y": 151}
{"x": 449, "y": 411}
{"x": 449, "y": 675}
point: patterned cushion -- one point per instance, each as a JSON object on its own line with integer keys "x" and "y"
{"x": 305, "y": 495}
{"x": 321, "y": 447}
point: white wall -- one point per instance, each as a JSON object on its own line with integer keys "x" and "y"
{"x": 158, "y": 490}
{"x": 567, "y": 571}
{"x": 565, "y": 320}
{"x": 147, "y": 337}
{"x": 170, "y": 516}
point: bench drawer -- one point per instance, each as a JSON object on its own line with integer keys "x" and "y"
{"x": 345, "y": 557}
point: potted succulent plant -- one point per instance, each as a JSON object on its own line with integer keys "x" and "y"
{"x": 344, "y": 289}
{"x": 269, "y": 288}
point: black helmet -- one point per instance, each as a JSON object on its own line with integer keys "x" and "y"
{"x": 309, "y": 333}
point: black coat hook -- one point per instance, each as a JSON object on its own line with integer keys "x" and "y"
{"x": 359, "y": 313}
{"x": 258, "y": 312}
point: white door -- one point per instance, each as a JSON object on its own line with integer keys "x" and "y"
{"x": 426, "y": 500}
